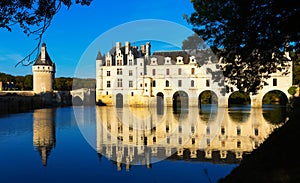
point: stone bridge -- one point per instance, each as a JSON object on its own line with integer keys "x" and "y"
{"x": 83, "y": 96}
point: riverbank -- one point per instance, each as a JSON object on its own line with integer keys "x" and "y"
{"x": 15, "y": 103}
{"x": 276, "y": 159}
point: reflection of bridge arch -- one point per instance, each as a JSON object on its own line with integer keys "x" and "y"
{"x": 160, "y": 103}
{"x": 77, "y": 101}
{"x": 278, "y": 97}
{"x": 180, "y": 100}
{"x": 119, "y": 100}
{"x": 207, "y": 97}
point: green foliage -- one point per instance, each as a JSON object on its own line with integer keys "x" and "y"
{"x": 193, "y": 42}
{"x": 239, "y": 98}
{"x": 250, "y": 36}
{"x": 275, "y": 97}
{"x": 292, "y": 90}
{"x": 61, "y": 84}
{"x": 33, "y": 17}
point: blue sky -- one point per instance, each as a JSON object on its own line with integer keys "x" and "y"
{"x": 76, "y": 34}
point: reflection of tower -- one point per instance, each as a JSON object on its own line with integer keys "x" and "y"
{"x": 43, "y": 72}
{"x": 44, "y": 132}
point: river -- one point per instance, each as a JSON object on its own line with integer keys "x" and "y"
{"x": 106, "y": 144}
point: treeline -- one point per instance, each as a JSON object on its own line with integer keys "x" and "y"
{"x": 10, "y": 82}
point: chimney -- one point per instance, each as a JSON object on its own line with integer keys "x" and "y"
{"x": 118, "y": 45}
{"x": 127, "y": 48}
{"x": 148, "y": 46}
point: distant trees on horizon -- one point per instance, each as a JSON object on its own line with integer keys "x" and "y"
{"x": 21, "y": 83}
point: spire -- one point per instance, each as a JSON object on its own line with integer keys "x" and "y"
{"x": 99, "y": 55}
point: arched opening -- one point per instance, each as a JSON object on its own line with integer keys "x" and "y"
{"x": 239, "y": 99}
{"x": 119, "y": 100}
{"x": 160, "y": 103}
{"x": 207, "y": 98}
{"x": 180, "y": 101}
{"x": 275, "y": 114}
{"x": 77, "y": 101}
{"x": 275, "y": 97}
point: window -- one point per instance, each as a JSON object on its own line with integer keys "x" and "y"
{"x": 120, "y": 83}
{"x": 119, "y": 71}
{"x": 192, "y": 83}
{"x": 106, "y": 92}
{"x": 238, "y": 131}
{"x": 119, "y": 62}
{"x": 208, "y": 142}
{"x": 132, "y": 93}
{"x": 108, "y": 63}
{"x": 193, "y": 71}
{"x": 256, "y": 131}
{"x": 153, "y": 83}
{"x": 153, "y": 72}
{"x": 130, "y": 72}
{"x": 130, "y": 62}
{"x": 222, "y": 130}
{"x": 207, "y": 83}
{"x": 130, "y": 138}
{"x": 167, "y": 83}
{"x": 130, "y": 84}
{"x": 179, "y": 83}
{"x": 207, "y": 130}
{"x": 154, "y": 139}
{"x": 167, "y": 71}
{"x": 274, "y": 82}
{"x": 179, "y": 140}
{"x": 108, "y": 73}
{"x": 238, "y": 144}
{"x": 192, "y": 129}
{"x": 168, "y": 140}
{"x": 179, "y": 71}
{"x": 179, "y": 129}
{"x": 167, "y": 129}
{"x": 223, "y": 143}
{"x": 193, "y": 140}
{"x": 108, "y": 84}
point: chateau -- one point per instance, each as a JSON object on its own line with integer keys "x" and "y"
{"x": 128, "y": 76}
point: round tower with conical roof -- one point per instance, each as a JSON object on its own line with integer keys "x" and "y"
{"x": 43, "y": 72}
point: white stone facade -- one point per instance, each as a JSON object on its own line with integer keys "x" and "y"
{"x": 133, "y": 77}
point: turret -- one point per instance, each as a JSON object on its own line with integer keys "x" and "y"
{"x": 43, "y": 72}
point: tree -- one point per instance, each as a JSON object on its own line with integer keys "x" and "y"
{"x": 193, "y": 42}
{"x": 33, "y": 16}
{"x": 249, "y": 36}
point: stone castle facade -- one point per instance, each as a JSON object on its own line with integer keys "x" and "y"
{"x": 128, "y": 76}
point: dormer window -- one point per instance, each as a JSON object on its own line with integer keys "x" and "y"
{"x": 119, "y": 62}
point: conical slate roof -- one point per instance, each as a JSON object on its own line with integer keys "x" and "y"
{"x": 46, "y": 60}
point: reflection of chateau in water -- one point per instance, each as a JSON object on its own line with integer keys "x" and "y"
{"x": 142, "y": 136}
{"x": 44, "y": 132}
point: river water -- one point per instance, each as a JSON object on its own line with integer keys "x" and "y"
{"x": 106, "y": 144}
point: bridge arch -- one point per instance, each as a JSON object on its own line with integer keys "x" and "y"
{"x": 239, "y": 98}
{"x": 207, "y": 97}
{"x": 77, "y": 101}
{"x": 119, "y": 100}
{"x": 275, "y": 97}
{"x": 180, "y": 100}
